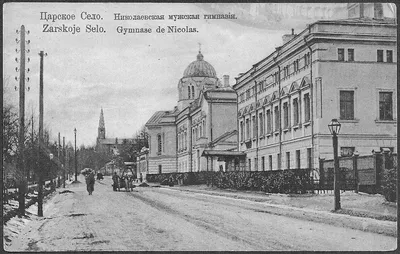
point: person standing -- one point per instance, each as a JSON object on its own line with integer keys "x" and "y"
{"x": 115, "y": 181}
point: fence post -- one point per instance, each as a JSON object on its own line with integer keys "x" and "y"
{"x": 378, "y": 169}
{"x": 321, "y": 174}
{"x": 355, "y": 168}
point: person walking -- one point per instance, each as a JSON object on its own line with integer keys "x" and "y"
{"x": 115, "y": 181}
{"x": 90, "y": 182}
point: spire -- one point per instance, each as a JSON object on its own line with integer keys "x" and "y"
{"x": 200, "y": 55}
{"x": 102, "y": 128}
{"x": 101, "y": 121}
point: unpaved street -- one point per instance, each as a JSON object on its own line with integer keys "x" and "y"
{"x": 151, "y": 218}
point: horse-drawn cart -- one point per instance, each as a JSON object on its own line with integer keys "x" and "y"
{"x": 125, "y": 180}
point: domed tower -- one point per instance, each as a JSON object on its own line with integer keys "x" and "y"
{"x": 197, "y": 76}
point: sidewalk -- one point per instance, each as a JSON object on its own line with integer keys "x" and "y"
{"x": 360, "y": 211}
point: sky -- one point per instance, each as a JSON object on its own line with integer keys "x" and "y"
{"x": 132, "y": 76}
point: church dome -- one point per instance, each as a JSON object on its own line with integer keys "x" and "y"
{"x": 200, "y": 68}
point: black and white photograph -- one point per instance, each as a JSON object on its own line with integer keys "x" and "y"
{"x": 199, "y": 126}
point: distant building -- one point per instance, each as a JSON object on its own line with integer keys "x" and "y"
{"x": 344, "y": 69}
{"x": 205, "y": 118}
{"x": 111, "y": 146}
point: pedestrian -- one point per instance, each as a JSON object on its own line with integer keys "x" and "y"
{"x": 115, "y": 181}
{"x": 90, "y": 182}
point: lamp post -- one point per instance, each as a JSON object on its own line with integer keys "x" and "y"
{"x": 334, "y": 128}
{"x": 76, "y": 168}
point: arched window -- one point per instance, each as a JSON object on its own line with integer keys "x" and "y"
{"x": 192, "y": 92}
{"x": 188, "y": 92}
{"x": 159, "y": 141}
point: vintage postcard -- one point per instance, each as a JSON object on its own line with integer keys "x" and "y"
{"x": 199, "y": 126}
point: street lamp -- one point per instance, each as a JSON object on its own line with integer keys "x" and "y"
{"x": 76, "y": 168}
{"x": 334, "y": 128}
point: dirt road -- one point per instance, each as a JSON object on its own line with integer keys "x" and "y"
{"x": 164, "y": 219}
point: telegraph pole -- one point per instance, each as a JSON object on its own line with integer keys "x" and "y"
{"x": 21, "y": 139}
{"x": 63, "y": 161}
{"x": 58, "y": 158}
{"x": 40, "y": 169}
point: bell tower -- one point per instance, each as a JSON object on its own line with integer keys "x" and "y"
{"x": 102, "y": 128}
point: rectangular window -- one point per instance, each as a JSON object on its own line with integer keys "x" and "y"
{"x": 350, "y": 55}
{"x": 159, "y": 169}
{"x": 340, "y": 54}
{"x": 270, "y": 162}
{"x": 247, "y": 128}
{"x": 306, "y": 107}
{"x": 278, "y": 158}
{"x": 347, "y": 105}
{"x": 241, "y": 131}
{"x": 269, "y": 123}
{"x": 261, "y": 123}
{"x": 263, "y": 163}
{"x": 287, "y": 160}
{"x": 249, "y": 160}
{"x": 385, "y": 106}
{"x": 247, "y": 94}
{"x": 347, "y": 151}
{"x": 297, "y": 158}
{"x": 389, "y": 56}
{"x": 379, "y": 55}
{"x": 296, "y": 111}
{"x": 285, "y": 115}
{"x": 276, "y": 112}
{"x": 255, "y": 164}
{"x": 309, "y": 158}
{"x": 254, "y": 126}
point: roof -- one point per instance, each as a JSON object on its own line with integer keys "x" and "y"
{"x": 223, "y": 137}
{"x": 199, "y": 68}
{"x": 155, "y": 119}
{"x": 222, "y": 153}
{"x": 113, "y": 141}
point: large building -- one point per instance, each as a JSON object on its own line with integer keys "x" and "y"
{"x": 204, "y": 118}
{"x": 344, "y": 69}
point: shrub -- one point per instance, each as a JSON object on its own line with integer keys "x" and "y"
{"x": 389, "y": 184}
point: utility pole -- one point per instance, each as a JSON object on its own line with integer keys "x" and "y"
{"x": 58, "y": 159}
{"x": 41, "y": 141}
{"x": 21, "y": 139}
{"x": 76, "y": 167}
{"x": 63, "y": 161}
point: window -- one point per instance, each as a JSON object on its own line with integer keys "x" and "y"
{"x": 263, "y": 163}
{"x": 347, "y": 151}
{"x": 247, "y": 128}
{"x": 389, "y": 56}
{"x": 379, "y": 56}
{"x": 249, "y": 164}
{"x": 261, "y": 121}
{"x": 340, "y": 54}
{"x": 255, "y": 164}
{"x": 241, "y": 131}
{"x": 288, "y": 160}
{"x": 159, "y": 169}
{"x": 192, "y": 92}
{"x": 296, "y": 111}
{"x": 309, "y": 158}
{"x": 278, "y": 158}
{"x": 276, "y": 112}
{"x": 254, "y": 126}
{"x": 270, "y": 162}
{"x": 159, "y": 141}
{"x": 297, "y": 158}
{"x": 269, "y": 123}
{"x": 296, "y": 65}
{"x": 306, "y": 107}
{"x": 347, "y": 105}
{"x": 285, "y": 115}
{"x": 307, "y": 59}
{"x": 385, "y": 106}
{"x": 247, "y": 94}
{"x": 350, "y": 55}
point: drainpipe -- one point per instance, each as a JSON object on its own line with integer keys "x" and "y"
{"x": 256, "y": 123}
{"x": 189, "y": 136}
{"x": 311, "y": 98}
{"x": 279, "y": 166}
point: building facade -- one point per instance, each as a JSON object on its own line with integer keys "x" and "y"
{"x": 205, "y": 113}
{"x": 344, "y": 69}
